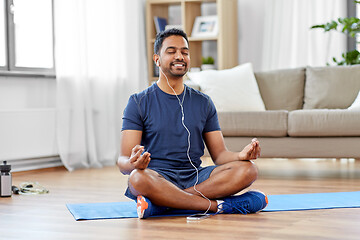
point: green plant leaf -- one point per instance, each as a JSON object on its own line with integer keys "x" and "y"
{"x": 327, "y": 26}
{"x": 349, "y": 58}
{"x": 330, "y": 26}
{"x": 318, "y": 26}
{"x": 207, "y": 60}
{"x": 349, "y": 26}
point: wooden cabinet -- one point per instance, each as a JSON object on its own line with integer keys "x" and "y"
{"x": 226, "y": 40}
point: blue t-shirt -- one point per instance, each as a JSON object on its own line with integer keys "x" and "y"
{"x": 158, "y": 115}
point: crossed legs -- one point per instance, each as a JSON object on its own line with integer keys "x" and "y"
{"x": 225, "y": 180}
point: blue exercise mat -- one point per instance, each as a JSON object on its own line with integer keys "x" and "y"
{"x": 111, "y": 210}
{"x": 286, "y": 202}
{"x": 312, "y": 201}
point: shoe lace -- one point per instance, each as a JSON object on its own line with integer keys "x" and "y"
{"x": 241, "y": 207}
{"x": 236, "y": 207}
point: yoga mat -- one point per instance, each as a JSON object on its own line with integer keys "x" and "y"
{"x": 312, "y": 201}
{"x": 111, "y": 210}
{"x": 286, "y": 202}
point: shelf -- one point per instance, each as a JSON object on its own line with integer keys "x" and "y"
{"x": 226, "y": 40}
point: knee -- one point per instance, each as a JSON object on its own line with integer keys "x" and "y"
{"x": 252, "y": 171}
{"x": 248, "y": 171}
{"x": 138, "y": 179}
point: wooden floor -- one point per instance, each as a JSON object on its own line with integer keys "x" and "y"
{"x": 46, "y": 216}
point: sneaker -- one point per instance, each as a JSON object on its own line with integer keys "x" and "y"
{"x": 250, "y": 202}
{"x": 146, "y": 209}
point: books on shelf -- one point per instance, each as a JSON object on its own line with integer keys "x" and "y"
{"x": 160, "y": 24}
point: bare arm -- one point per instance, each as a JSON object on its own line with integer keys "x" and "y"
{"x": 219, "y": 153}
{"x": 131, "y": 156}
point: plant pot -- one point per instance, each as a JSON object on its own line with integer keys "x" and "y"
{"x": 207, "y": 67}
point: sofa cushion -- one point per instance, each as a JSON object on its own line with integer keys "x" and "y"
{"x": 355, "y": 106}
{"x": 262, "y": 123}
{"x": 232, "y": 89}
{"x": 323, "y": 122}
{"x": 331, "y": 87}
{"x": 193, "y": 85}
{"x": 282, "y": 89}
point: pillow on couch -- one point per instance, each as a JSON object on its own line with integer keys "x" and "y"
{"x": 232, "y": 89}
{"x": 282, "y": 89}
{"x": 355, "y": 106}
{"x": 331, "y": 87}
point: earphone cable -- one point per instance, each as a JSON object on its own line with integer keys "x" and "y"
{"x": 189, "y": 143}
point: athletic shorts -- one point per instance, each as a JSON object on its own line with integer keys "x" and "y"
{"x": 182, "y": 178}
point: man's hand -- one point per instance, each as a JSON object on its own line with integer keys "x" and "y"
{"x": 139, "y": 160}
{"x": 251, "y": 151}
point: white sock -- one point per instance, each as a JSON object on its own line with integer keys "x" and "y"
{"x": 219, "y": 205}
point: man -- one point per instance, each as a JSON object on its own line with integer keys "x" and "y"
{"x": 170, "y": 122}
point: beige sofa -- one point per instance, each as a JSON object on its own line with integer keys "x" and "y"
{"x": 306, "y": 114}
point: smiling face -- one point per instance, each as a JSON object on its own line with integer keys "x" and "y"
{"x": 174, "y": 56}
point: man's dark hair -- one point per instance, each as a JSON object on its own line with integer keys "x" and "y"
{"x": 160, "y": 37}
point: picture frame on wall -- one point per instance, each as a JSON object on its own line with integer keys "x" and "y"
{"x": 205, "y": 26}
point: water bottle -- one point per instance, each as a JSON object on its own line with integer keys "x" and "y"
{"x": 5, "y": 180}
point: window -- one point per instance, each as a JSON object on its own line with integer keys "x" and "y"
{"x": 27, "y": 42}
{"x": 2, "y": 35}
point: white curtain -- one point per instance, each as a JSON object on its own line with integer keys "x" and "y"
{"x": 100, "y": 61}
{"x": 289, "y": 42}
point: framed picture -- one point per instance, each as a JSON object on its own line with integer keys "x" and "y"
{"x": 205, "y": 26}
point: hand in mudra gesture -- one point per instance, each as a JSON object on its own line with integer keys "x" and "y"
{"x": 251, "y": 151}
{"x": 139, "y": 159}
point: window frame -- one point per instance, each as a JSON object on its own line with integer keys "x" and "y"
{"x": 4, "y": 68}
{"x": 10, "y": 69}
{"x": 351, "y": 12}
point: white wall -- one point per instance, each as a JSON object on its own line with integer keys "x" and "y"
{"x": 27, "y": 92}
{"x": 27, "y": 118}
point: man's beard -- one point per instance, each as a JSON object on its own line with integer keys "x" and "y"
{"x": 178, "y": 74}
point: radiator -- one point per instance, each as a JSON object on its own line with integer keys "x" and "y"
{"x": 28, "y": 138}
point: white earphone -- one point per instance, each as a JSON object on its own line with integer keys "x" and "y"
{"x": 187, "y": 130}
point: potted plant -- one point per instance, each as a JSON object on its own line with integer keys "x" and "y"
{"x": 207, "y": 63}
{"x": 351, "y": 27}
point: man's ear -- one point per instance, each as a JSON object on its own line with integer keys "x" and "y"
{"x": 156, "y": 59}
